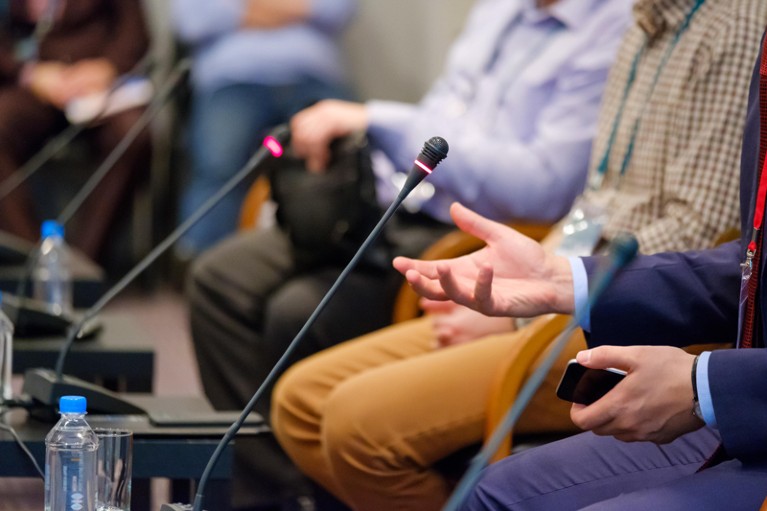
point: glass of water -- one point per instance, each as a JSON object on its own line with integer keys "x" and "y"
{"x": 114, "y": 467}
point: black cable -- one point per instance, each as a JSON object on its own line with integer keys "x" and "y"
{"x": 22, "y": 445}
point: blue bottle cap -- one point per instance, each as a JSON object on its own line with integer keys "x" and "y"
{"x": 72, "y": 404}
{"x": 52, "y": 228}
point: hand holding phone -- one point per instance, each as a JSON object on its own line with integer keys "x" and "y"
{"x": 583, "y": 385}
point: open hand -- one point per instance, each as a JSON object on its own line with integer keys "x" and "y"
{"x": 512, "y": 276}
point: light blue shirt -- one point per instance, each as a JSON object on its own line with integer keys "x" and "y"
{"x": 517, "y": 102}
{"x": 581, "y": 295}
{"x": 225, "y": 53}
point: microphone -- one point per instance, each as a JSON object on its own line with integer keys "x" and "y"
{"x": 31, "y": 316}
{"x": 46, "y": 386}
{"x": 622, "y": 250}
{"x": 434, "y": 151}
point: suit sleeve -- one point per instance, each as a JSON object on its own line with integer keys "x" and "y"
{"x": 673, "y": 299}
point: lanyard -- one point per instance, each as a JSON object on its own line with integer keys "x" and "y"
{"x": 466, "y": 87}
{"x": 761, "y": 197}
{"x": 601, "y": 170}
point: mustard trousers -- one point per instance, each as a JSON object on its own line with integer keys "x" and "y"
{"x": 369, "y": 418}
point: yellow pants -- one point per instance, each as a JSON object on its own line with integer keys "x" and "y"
{"x": 368, "y": 418}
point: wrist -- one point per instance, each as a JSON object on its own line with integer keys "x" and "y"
{"x": 562, "y": 279}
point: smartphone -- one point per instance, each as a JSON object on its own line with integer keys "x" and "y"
{"x": 583, "y": 385}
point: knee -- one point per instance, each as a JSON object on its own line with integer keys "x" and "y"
{"x": 296, "y": 412}
{"x": 359, "y": 440}
{"x": 201, "y": 280}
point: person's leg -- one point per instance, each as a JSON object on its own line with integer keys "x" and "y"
{"x": 730, "y": 485}
{"x": 25, "y": 123}
{"x": 97, "y": 214}
{"x": 369, "y": 419}
{"x": 227, "y": 291}
{"x": 586, "y": 469}
{"x": 301, "y": 395}
{"x": 226, "y": 125}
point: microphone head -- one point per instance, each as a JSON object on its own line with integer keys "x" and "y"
{"x": 434, "y": 151}
{"x": 277, "y": 139}
{"x": 623, "y": 248}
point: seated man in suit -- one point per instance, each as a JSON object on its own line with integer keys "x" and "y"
{"x": 679, "y": 432}
{"x": 370, "y": 419}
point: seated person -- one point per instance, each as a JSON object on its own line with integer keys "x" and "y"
{"x": 52, "y": 53}
{"x": 679, "y": 432}
{"x": 255, "y": 64}
{"x": 370, "y": 418}
{"x": 517, "y": 102}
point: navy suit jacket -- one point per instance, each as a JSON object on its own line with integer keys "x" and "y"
{"x": 688, "y": 298}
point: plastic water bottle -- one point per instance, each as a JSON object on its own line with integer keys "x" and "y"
{"x": 52, "y": 276}
{"x": 6, "y": 356}
{"x": 70, "y": 460}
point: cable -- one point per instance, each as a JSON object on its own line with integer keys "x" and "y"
{"x": 22, "y": 445}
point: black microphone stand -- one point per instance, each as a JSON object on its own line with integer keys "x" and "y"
{"x": 434, "y": 151}
{"x": 45, "y": 386}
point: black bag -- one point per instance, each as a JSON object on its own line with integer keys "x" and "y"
{"x": 328, "y": 215}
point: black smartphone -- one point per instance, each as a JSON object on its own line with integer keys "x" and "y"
{"x": 583, "y": 385}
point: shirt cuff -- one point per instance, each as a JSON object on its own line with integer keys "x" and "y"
{"x": 704, "y": 391}
{"x": 581, "y": 292}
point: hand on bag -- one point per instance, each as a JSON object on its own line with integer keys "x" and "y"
{"x": 314, "y": 128}
{"x": 652, "y": 403}
{"x": 512, "y": 276}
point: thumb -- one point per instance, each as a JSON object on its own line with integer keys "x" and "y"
{"x": 618, "y": 357}
{"x": 473, "y": 223}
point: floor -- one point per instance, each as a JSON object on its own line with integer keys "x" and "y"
{"x": 164, "y": 314}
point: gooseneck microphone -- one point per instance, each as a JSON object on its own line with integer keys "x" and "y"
{"x": 623, "y": 249}
{"x": 434, "y": 151}
{"x": 46, "y": 387}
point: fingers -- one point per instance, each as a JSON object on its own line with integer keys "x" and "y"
{"x": 314, "y": 128}
{"x": 435, "y": 307}
{"x": 602, "y": 357}
{"x": 475, "y": 224}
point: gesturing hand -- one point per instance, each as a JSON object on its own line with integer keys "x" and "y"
{"x": 652, "y": 403}
{"x": 512, "y": 276}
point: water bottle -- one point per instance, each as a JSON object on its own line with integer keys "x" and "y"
{"x": 6, "y": 356}
{"x": 70, "y": 460}
{"x": 52, "y": 277}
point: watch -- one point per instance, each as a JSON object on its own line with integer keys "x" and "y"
{"x": 696, "y": 411}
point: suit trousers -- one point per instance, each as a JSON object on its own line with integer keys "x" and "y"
{"x": 247, "y": 302}
{"x": 371, "y": 419}
{"x": 589, "y": 472}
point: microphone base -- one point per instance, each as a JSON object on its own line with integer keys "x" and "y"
{"x": 45, "y": 390}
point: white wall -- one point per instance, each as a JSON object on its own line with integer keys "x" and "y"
{"x": 396, "y": 48}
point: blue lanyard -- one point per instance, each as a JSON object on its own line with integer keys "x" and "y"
{"x": 601, "y": 171}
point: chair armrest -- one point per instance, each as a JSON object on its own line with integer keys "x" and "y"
{"x": 514, "y": 370}
{"x": 258, "y": 193}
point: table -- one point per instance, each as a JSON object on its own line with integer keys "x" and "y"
{"x": 118, "y": 357}
{"x": 87, "y": 277}
{"x": 177, "y": 453}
